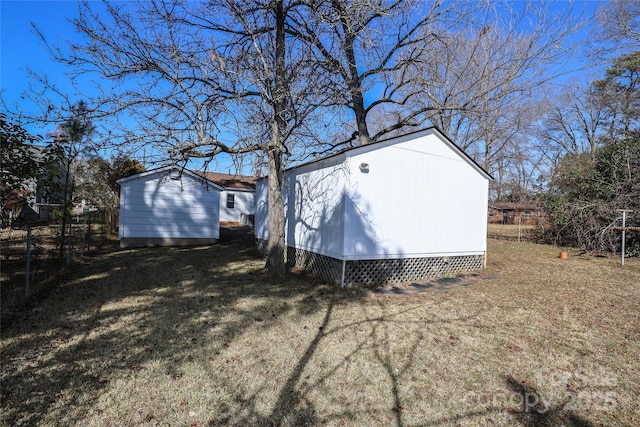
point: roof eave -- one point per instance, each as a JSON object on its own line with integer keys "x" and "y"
{"x": 352, "y": 150}
{"x": 169, "y": 168}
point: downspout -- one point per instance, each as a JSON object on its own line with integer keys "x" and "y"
{"x": 344, "y": 265}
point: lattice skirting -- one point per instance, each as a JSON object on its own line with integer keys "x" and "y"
{"x": 379, "y": 272}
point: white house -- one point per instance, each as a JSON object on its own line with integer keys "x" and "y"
{"x": 237, "y": 199}
{"x": 396, "y": 210}
{"x": 167, "y": 207}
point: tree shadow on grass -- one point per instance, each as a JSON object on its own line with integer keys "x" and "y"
{"x": 525, "y": 403}
{"x": 537, "y": 411}
{"x": 132, "y": 307}
{"x": 295, "y": 403}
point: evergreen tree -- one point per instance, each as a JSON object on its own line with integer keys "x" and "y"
{"x": 589, "y": 188}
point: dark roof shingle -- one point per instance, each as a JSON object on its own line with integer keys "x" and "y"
{"x": 234, "y": 182}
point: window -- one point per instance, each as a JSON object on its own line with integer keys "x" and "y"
{"x": 231, "y": 201}
{"x": 527, "y": 214}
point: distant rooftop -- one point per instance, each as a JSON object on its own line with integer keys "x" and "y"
{"x": 236, "y": 182}
{"x": 508, "y": 206}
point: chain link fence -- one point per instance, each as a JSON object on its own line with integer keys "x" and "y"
{"x": 516, "y": 232}
{"x": 33, "y": 257}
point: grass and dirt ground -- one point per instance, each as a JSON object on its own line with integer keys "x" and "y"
{"x": 203, "y": 337}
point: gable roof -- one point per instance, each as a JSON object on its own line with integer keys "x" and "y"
{"x": 390, "y": 141}
{"x": 169, "y": 169}
{"x": 231, "y": 182}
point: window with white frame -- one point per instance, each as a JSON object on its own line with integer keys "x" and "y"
{"x": 231, "y": 201}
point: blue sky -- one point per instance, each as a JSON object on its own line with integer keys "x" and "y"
{"x": 20, "y": 47}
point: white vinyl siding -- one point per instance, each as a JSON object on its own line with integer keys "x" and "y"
{"x": 243, "y": 205}
{"x": 261, "y": 227}
{"x": 156, "y": 206}
{"x": 419, "y": 196}
{"x": 418, "y": 199}
{"x": 318, "y": 212}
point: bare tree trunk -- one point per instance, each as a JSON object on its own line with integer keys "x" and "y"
{"x": 354, "y": 82}
{"x": 361, "y": 115}
{"x": 67, "y": 193}
{"x": 276, "y": 244}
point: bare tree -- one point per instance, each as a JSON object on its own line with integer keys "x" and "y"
{"x": 190, "y": 74}
{"x": 619, "y": 26}
{"x": 573, "y": 123}
{"x": 71, "y": 143}
{"x": 364, "y": 46}
{"x": 245, "y": 77}
{"x": 482, "y": 84}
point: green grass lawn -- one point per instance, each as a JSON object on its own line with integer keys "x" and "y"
{"x": 203, "y": 337}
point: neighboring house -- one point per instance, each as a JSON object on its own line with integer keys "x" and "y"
{"x": 397, "y": 210}
{"x": 237, "y": 199}
{"x": 168, "y": 207}
{"x": 39, "y": 194}
{"x": 515, "y": 213}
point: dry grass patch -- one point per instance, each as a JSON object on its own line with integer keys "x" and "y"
{"x": 202, "y": 336}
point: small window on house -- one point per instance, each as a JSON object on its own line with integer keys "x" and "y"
{"x": 527, "y": 214}
{"x": 231, "y": 201}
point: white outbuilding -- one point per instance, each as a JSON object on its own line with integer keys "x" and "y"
{"x": 397, "y": 210}
{"x": 237, "y": 199}
{"x": 168, "y": 207}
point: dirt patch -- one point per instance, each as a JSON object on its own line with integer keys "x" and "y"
{"x": 433, "y": 284}
{"x": 235, "y": 233}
